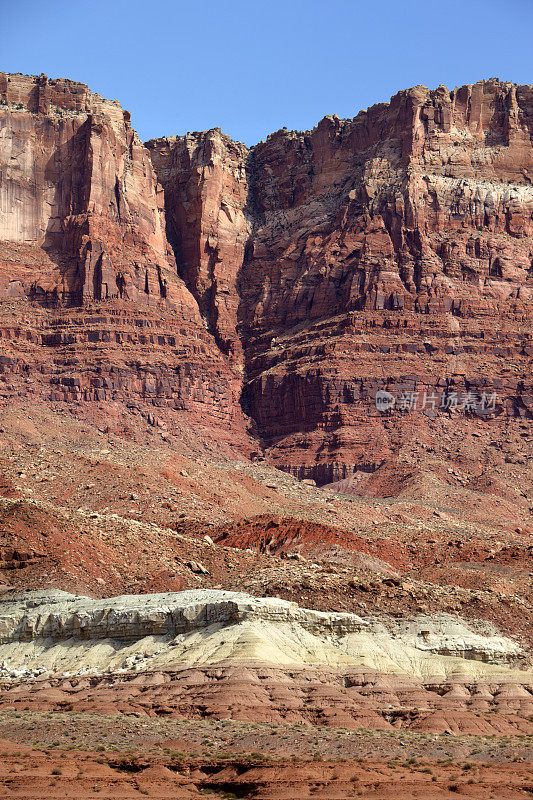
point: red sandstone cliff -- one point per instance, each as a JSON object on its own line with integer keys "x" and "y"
{"x": 206, "y": 191}
{"x": 77, "y": 181}
{"x": 82, "y": 239}
{"x": 391, "y": 251}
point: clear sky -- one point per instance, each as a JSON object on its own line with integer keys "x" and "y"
{"x": 254, "y": 67}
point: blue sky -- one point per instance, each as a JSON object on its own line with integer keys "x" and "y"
{"x": 252, "y": 68}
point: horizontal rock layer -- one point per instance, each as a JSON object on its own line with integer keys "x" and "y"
{"x": 344, "y": 698}
{"x": 391, "y": 251}
{"x": 62, "y": 616}
{"x": 210, "y": 626}
{"x": 287, "y": 283}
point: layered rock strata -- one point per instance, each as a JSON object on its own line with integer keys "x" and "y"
{"x": 62, "y": 616}
{"x": 228, "y": 655}
{"x": 292, "y": 280}
{"x": 82, "y": 239}
{"x": 209, "y": 626}
{"x": 77, "y": 181}
{"x": 344, "y": 698}
{"x": 206, "y": 189}
{"x": 391, "y": 251}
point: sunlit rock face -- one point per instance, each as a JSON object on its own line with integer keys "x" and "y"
{"x": 390, "y": 251}
{"x": 292, "y": 280}
{"x": 82, "y": 235}
{"x": 77, "y": 181}
{"x": 209, "y": 223}
{"x": 210, "y": 626}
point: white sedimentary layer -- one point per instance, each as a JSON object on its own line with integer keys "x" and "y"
{"x": 56, "y": 632}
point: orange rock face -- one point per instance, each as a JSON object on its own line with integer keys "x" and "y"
{"x": 82, "y": 240}
{"x": 78, "y": 183}
{"x": 393, "y": 251}
{"x": 206, "y": 191}
{"x": 293, "y": 280}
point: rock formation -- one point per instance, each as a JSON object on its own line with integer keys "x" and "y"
{"x": 351, "y": 304}
{"x": 82, "y": 225}
{"x": 229, "y": 655}
{"x": 208, "y": 626}
{"x": 392, "y": 251}
{"x": 207, "y": 194}
{"x": 291, "y": 281}
{"x": 77, "y": 181}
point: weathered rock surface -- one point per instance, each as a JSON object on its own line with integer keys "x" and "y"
{"x": 57, "y": 631}
{"x": 62, "y": 616}
{"x": 295, "y": 279}
{"x": 209, "y": 224}
{"x": 176, "y": 288}
{"x": 82, "y": 240}
{"x": 77, "y": 181}
{"x": 391, "y": 251}
{"x": 229, "y": 655}
{"x": 261, "y": 693}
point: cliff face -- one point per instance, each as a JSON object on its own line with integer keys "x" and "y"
{"x": 206, "y": 192}
{"x": 392, "y": 251}
{"x": 77, "y": 181}
{"x": 410, "y": 206}
{"x": 82, "y": 236}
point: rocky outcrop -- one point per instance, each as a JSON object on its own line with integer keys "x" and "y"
{"x": 62, "y": 616}
{"x": 227, "y": 655}
{"x": 293, "y": 280}
{"x": 82, "y": 238}
{"x": 77, "y": 181}
{"x": 345, "y": 698}
{"x": 206, "y": 193}
{"x": 391, "y": 251}
{"x": 385, "y": 242}
{"x": 417, "y": 204}
{"x": 210, "y": 626}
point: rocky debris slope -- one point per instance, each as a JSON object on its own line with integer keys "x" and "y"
{"x": 112, "y": 504}
{"x": 228, "y": 760}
